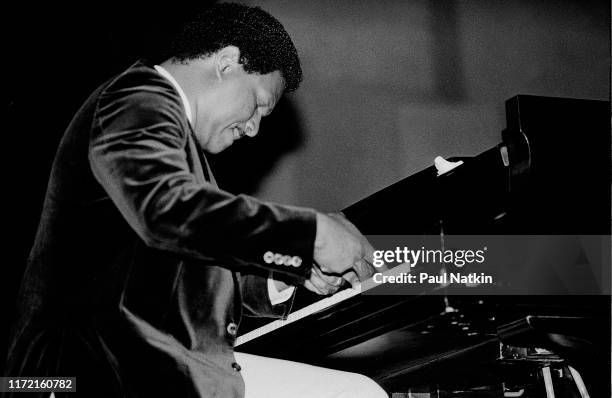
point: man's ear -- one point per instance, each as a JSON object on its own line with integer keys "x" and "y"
{"x": 227, "y": 60}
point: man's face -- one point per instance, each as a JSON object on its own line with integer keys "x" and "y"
{"x": 238, "y": 103}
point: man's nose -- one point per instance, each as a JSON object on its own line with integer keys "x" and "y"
{"x": 252, "y": 126}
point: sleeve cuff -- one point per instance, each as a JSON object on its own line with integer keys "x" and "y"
{"x": 277, "y": 297}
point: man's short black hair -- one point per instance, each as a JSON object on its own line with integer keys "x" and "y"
{"x": 264, "y": 44}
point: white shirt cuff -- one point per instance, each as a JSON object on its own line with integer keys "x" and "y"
{"x": 277, "y": 297}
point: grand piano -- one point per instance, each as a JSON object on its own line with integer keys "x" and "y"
{"x": 550, "y": 176}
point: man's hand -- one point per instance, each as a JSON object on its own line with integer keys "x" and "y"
{"x": 321, "y": 283}
{"x": 363, "y": 268}
{"x": 341, "y": 250}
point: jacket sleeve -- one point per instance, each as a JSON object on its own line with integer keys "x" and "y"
{"x": 137, "y": 152}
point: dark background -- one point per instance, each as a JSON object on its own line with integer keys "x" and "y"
{"x": 56, "y": 55}
{"x": 357, "y": 124}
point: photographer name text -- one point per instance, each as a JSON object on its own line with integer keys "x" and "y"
{"x": 469, "y": 279}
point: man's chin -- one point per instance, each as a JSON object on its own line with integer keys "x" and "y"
{"x": 218, "y": 147}
{"x": 219, "y": 142}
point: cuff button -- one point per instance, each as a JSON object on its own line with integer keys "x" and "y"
{"x": 232, "y": 328}
{"x": 278, "y": 259}
{"x": 268, "y": 257}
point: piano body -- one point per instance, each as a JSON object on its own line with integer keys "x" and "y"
{"x": 549, "y": 175}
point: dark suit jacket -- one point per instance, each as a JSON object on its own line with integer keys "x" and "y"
{"x": 141, "y": 267}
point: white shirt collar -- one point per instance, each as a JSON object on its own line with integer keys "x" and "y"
{"x": 178, "y": 88}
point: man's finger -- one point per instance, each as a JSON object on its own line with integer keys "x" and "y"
{"x": 364, "y": 269}
{"x": 352, "y": 278}
{"x": 308, "y": 285}
{"x": 331, "y": 280}
{"x": 319, "y": 284}
{"x": 323, "y": 284}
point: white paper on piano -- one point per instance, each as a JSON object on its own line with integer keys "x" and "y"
{"x": 444, "y": 166}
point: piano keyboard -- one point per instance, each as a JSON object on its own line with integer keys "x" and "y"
{"x": 299, "y": 314}
{"x": 319, "y": 305}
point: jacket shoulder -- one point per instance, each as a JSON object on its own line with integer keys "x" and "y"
{"x": 140, "y": 90}
{"x": 142, "y": 77}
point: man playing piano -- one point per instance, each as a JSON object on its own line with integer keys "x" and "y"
{"x": 142, "y": 268}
